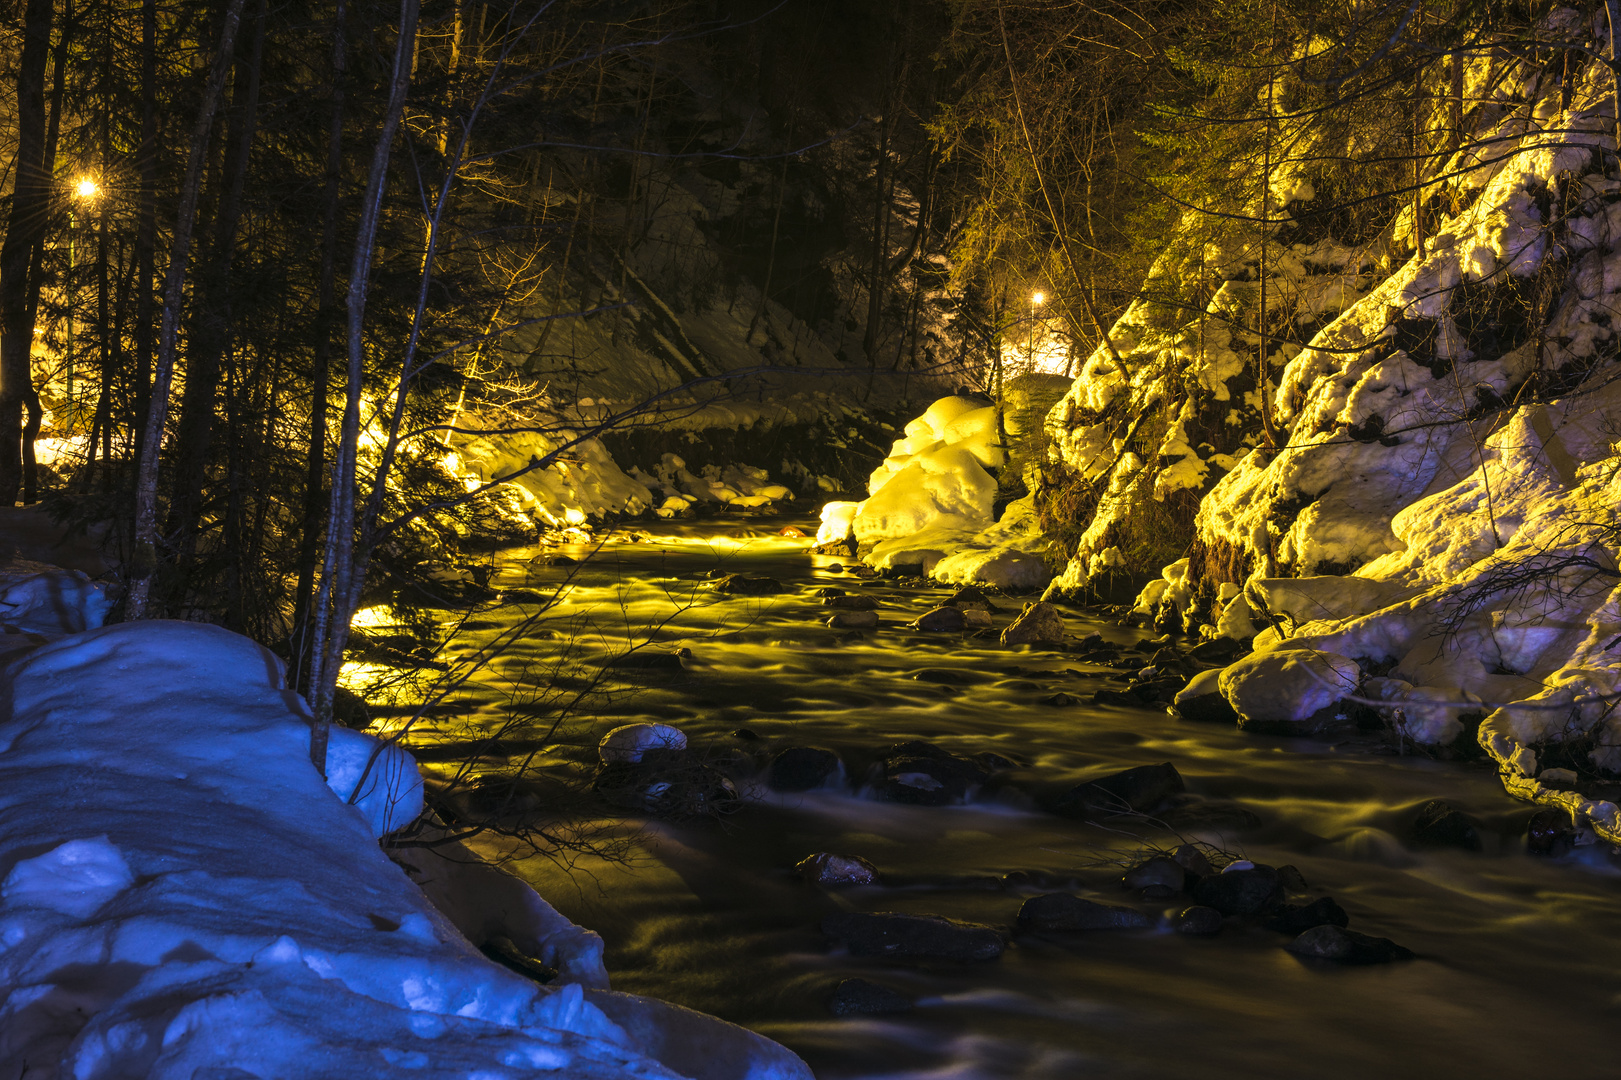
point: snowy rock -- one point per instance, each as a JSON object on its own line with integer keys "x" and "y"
{"x": 40, "y": 599}
{"x": 1202, "y": 699}
{"x": 836, "y": 521}
{"x": 628, "y": 743}
{"x": 74, "y": 878}
{"x": 1329, "y": 942}
{"x": 1039, "y": 623}
{"x": 1286, "y": 688}
{"x": 836, "y": 871}
{"x": 912, "y": 937}
{"x": 1063, "y": 912}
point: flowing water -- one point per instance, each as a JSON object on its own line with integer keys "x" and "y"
{"x": 1519, "y": 957}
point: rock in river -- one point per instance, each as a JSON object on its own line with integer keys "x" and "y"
{"x": 923, "y": 774}
{"x": 1197, "y": 920}
{"x": 1297, "y": 918}
{"x": 1061, "y": 911}
{"x": 1138, "y": 790}
{"x": 1159, "y": 870}
{"x": 1240, "y": 892}
{"x": 1202, "y": 700}
{"x": 832, "y": 871}
{"x": 1329, "y": 942}
{"x": 941, "y": 620}
{"x": 1039, "y": 623}
{"x": 1439, "y": 825}
{"x": 857, "y": 602}
{"x": 748, "y": 585}
{"x": 801, "y": 768}
{"x": 628, "y": 743}
{"x": 853, "y": 620}
{"x": 912, "y": 937}
{"x": 859, "y": 997}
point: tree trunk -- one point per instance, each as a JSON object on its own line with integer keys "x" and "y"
{"x": 30, "y": 203}
{"x": 326, "y": 311}
{"x": 143, "y": 565}
{"x": 146, "y": 226}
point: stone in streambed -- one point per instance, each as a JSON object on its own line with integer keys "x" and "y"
{"x": 1039, "y": 623}
{"x": 1063, "y": 912}
{"x": 1201, "y": 700}
{"x": 748, "y": 585}
{"x": 923, "y": 774}
{"x": 859, "y": 997}
{"x": 1297, "y": 918}
{"x": 801, "y": 768}
{"x": 1197, "y": 920}
{"x": 1253, "y": 891}
{"x": 912, "y": 937}
{"x": 832, "y": 871}
{"x": 1441, "y": 826}
{"x": 853, "y": 620}
{"x": 1192, "y": 860}
{"x": 976, "y": 619}
{"x": 1329, "y": 942}
{"x": 1549, "y": 832}
{"x": 941, "y": 620}
{"x": 1137, "y": 790}
{"x": 858, "y": 602}
{"x": 629, "y": 743}
{"x": 1160, "y": 871}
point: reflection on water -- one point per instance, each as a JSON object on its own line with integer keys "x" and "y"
{"x": 1520, "y": 958}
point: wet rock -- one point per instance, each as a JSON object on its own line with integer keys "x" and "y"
{"x": 748, "y": 585}
{"x": 524, "y": 596}
{"x": 1124, "y": 698}
{"x": 991, "y": 761}
{"x": 1156, "y": 871}
{"x": 1157, "y": 689}
{"x": 1197, "y": 920}
{"x": 941, "y": 620}
{"x": 1240, "y": 892}
{"x": 1201, "y": 700}
{"x": 944, "y": 676}
{"x": 629, "y": 743}
{"x": 923, "y": 774}
{"x": 829, "y": 593}
{"x": 1215, "y": 650}
{"x": 1296, "y": 918}
{"x": 1211, "y": 815}
{"x": 853, "y": 620}
{"x": 858, "y": 602}
{"x": 793, "y": 532}
{"x": 667, "y": 788}
{"x": 1094, "y": 640}
{"x": 977, "y": 619}
{"x": 859, "y": 997}
{"x": 745, "y": 733}
{"x": 1549, "y": 833}
{"x": 1157, "y": 892}
{"x": 1039, "y": 623}
{"x": 1063, "y": 912}
{"x": 1061, "y": 699}
{"x": 1036, "y": 879}
{"x": 1292, "y": 879}
{"x": 1138, "y": 790}
{"x": 971, "y": 595}
{"x": 912, "y": 937}
{"x": 1192, "y": 860}
{"x": 1441, "y": 826}
{"x": 801, "y": 768}
{"x": 1330, "y": 942}
{"x": 832, "y": 871}
{"x": 562, "y": 560}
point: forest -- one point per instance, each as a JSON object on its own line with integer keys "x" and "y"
{"x": 1272, "y": 341}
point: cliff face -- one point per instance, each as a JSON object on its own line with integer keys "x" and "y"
{"x": 1433, "y": 495}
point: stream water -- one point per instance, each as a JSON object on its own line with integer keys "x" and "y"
{"x": 1519, "y": 957}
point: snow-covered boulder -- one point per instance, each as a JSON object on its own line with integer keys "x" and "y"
{"x": 1286, "y": 688}
{"x": 182, "y": 895}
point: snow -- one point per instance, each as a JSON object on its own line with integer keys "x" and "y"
{"x": 182, "y": 895}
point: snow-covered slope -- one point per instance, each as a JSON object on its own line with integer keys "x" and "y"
{"x": 182, "y": 895}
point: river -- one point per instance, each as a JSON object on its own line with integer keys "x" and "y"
{"x": 1519, "y": 957}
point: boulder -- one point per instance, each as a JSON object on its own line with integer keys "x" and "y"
{"x": 853, "y": 620}
{"x": 1240, "y": 892}
{"x": 1329, "y": 942}
{"x": 912, "y": 937}
{"x": 976, "y": 619}
{"x": 1287, "y": 690}
{"x": 748, "y": 585}
{"x": 941, "y": 620}
{"x": 1441, "y": 826}
{"x": 1039, "y": 624}
{"x": 1138, "y": 790}
{"x": 1549, "y": 832}
{"x": 629, "y": 743}
{"x": 801, "y": 768}
{"x": 1191, "y": 859}
{"x": 1063, "y": 912}
{"x": 648, "y": 660}
{"x": 832, "y": 871}
{"x": 858, "y": 602}
{"x": 971, "y": 596}
{"x": 1202, "y": 700}
{"x": 923, "y": 774}
{"x": 859, "y": 997}
{"x": 1297, "y": 918}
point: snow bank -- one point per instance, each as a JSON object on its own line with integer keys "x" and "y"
{"x": 583, "y": 483}
{"x": 182, "y": 895}
{"x": 930, "y": 505}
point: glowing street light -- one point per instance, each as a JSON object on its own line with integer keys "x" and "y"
{"x": 86, "y": 188}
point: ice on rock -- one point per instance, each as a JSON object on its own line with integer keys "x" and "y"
{"x": 182, "y": 895}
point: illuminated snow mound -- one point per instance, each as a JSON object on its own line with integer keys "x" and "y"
{"x": 931, "y": 505}
{"x": 183, "y": 896}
